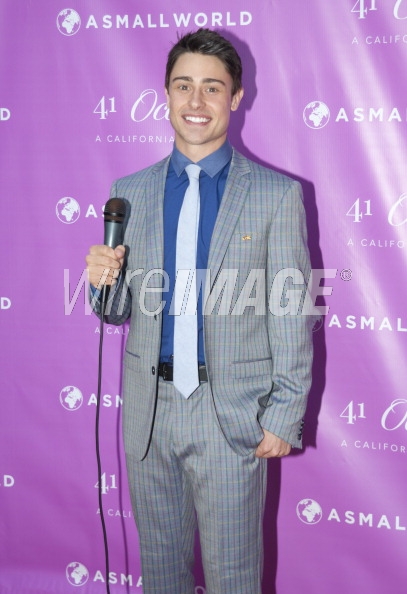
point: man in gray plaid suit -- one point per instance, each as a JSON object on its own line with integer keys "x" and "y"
{"x": 201, "y": 461}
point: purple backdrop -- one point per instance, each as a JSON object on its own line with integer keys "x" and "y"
{"x": 82, "y": 103}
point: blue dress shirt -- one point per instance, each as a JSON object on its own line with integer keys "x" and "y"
{"x": 212, "y": 181}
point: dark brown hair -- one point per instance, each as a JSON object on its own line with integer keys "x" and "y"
{"x": 208, "y": 43}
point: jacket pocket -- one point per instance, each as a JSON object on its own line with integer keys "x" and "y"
{"x": 132, "y": 361}
{"x": 253, "y": 368}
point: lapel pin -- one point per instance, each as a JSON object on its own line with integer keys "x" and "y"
{"x": 246, "y": 237}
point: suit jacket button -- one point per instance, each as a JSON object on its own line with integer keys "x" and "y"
{"x": 153, "y": 370}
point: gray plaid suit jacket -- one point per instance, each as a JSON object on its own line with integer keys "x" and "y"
{"x": 259, "y": 364}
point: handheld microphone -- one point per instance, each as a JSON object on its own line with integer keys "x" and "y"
{"x": 114, "y": 214}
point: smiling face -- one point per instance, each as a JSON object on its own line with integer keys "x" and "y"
{"x": 199, "y": 98}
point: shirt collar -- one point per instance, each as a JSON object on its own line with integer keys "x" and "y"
{"x": 211, "y": 164}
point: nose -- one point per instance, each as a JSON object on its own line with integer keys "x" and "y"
{"x": 195, "y": 99}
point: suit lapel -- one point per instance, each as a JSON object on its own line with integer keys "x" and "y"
{"x": 154, "y": 196}
{"x": 236, "y": 192}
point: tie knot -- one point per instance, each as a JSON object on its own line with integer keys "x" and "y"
{"x": 193, "y": 171}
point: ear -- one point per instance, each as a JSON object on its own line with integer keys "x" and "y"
{"x": 236, "y": 99}
{"x": 167, "y": 97}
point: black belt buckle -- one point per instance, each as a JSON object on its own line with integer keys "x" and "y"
{"x": 166, "y": 372}
{"x": 203, "y": 374}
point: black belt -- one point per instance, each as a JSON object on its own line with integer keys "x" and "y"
{"x": 166, "y": 371}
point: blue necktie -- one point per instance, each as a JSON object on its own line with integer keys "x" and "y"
{"x": 186, "y": 378}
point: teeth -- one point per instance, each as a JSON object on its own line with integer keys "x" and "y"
{"x": 196, "y": 120}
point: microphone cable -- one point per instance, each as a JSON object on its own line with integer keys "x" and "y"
{"x": 97, "y": 438}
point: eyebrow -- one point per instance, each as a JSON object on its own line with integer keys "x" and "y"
{"x": 204, "y": 80}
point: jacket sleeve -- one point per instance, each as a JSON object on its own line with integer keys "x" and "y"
{"x": 289, "y": 327}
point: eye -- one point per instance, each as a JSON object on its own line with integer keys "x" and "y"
{"x": 212, "y": 90}
{"x": 183, "y": 87}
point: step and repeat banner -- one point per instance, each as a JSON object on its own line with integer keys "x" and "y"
{"x": 81, "y": 104}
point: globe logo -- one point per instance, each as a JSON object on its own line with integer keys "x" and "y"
{"x": 316, "y": 115}
{"x": 68, "y": 210}
{"x": 71, "y": 398}
{"x": 309, "y": 511}
{"x": 318, "y": 324}
{"x": 76, "y": 574}
{"x": 68, "y": 22}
